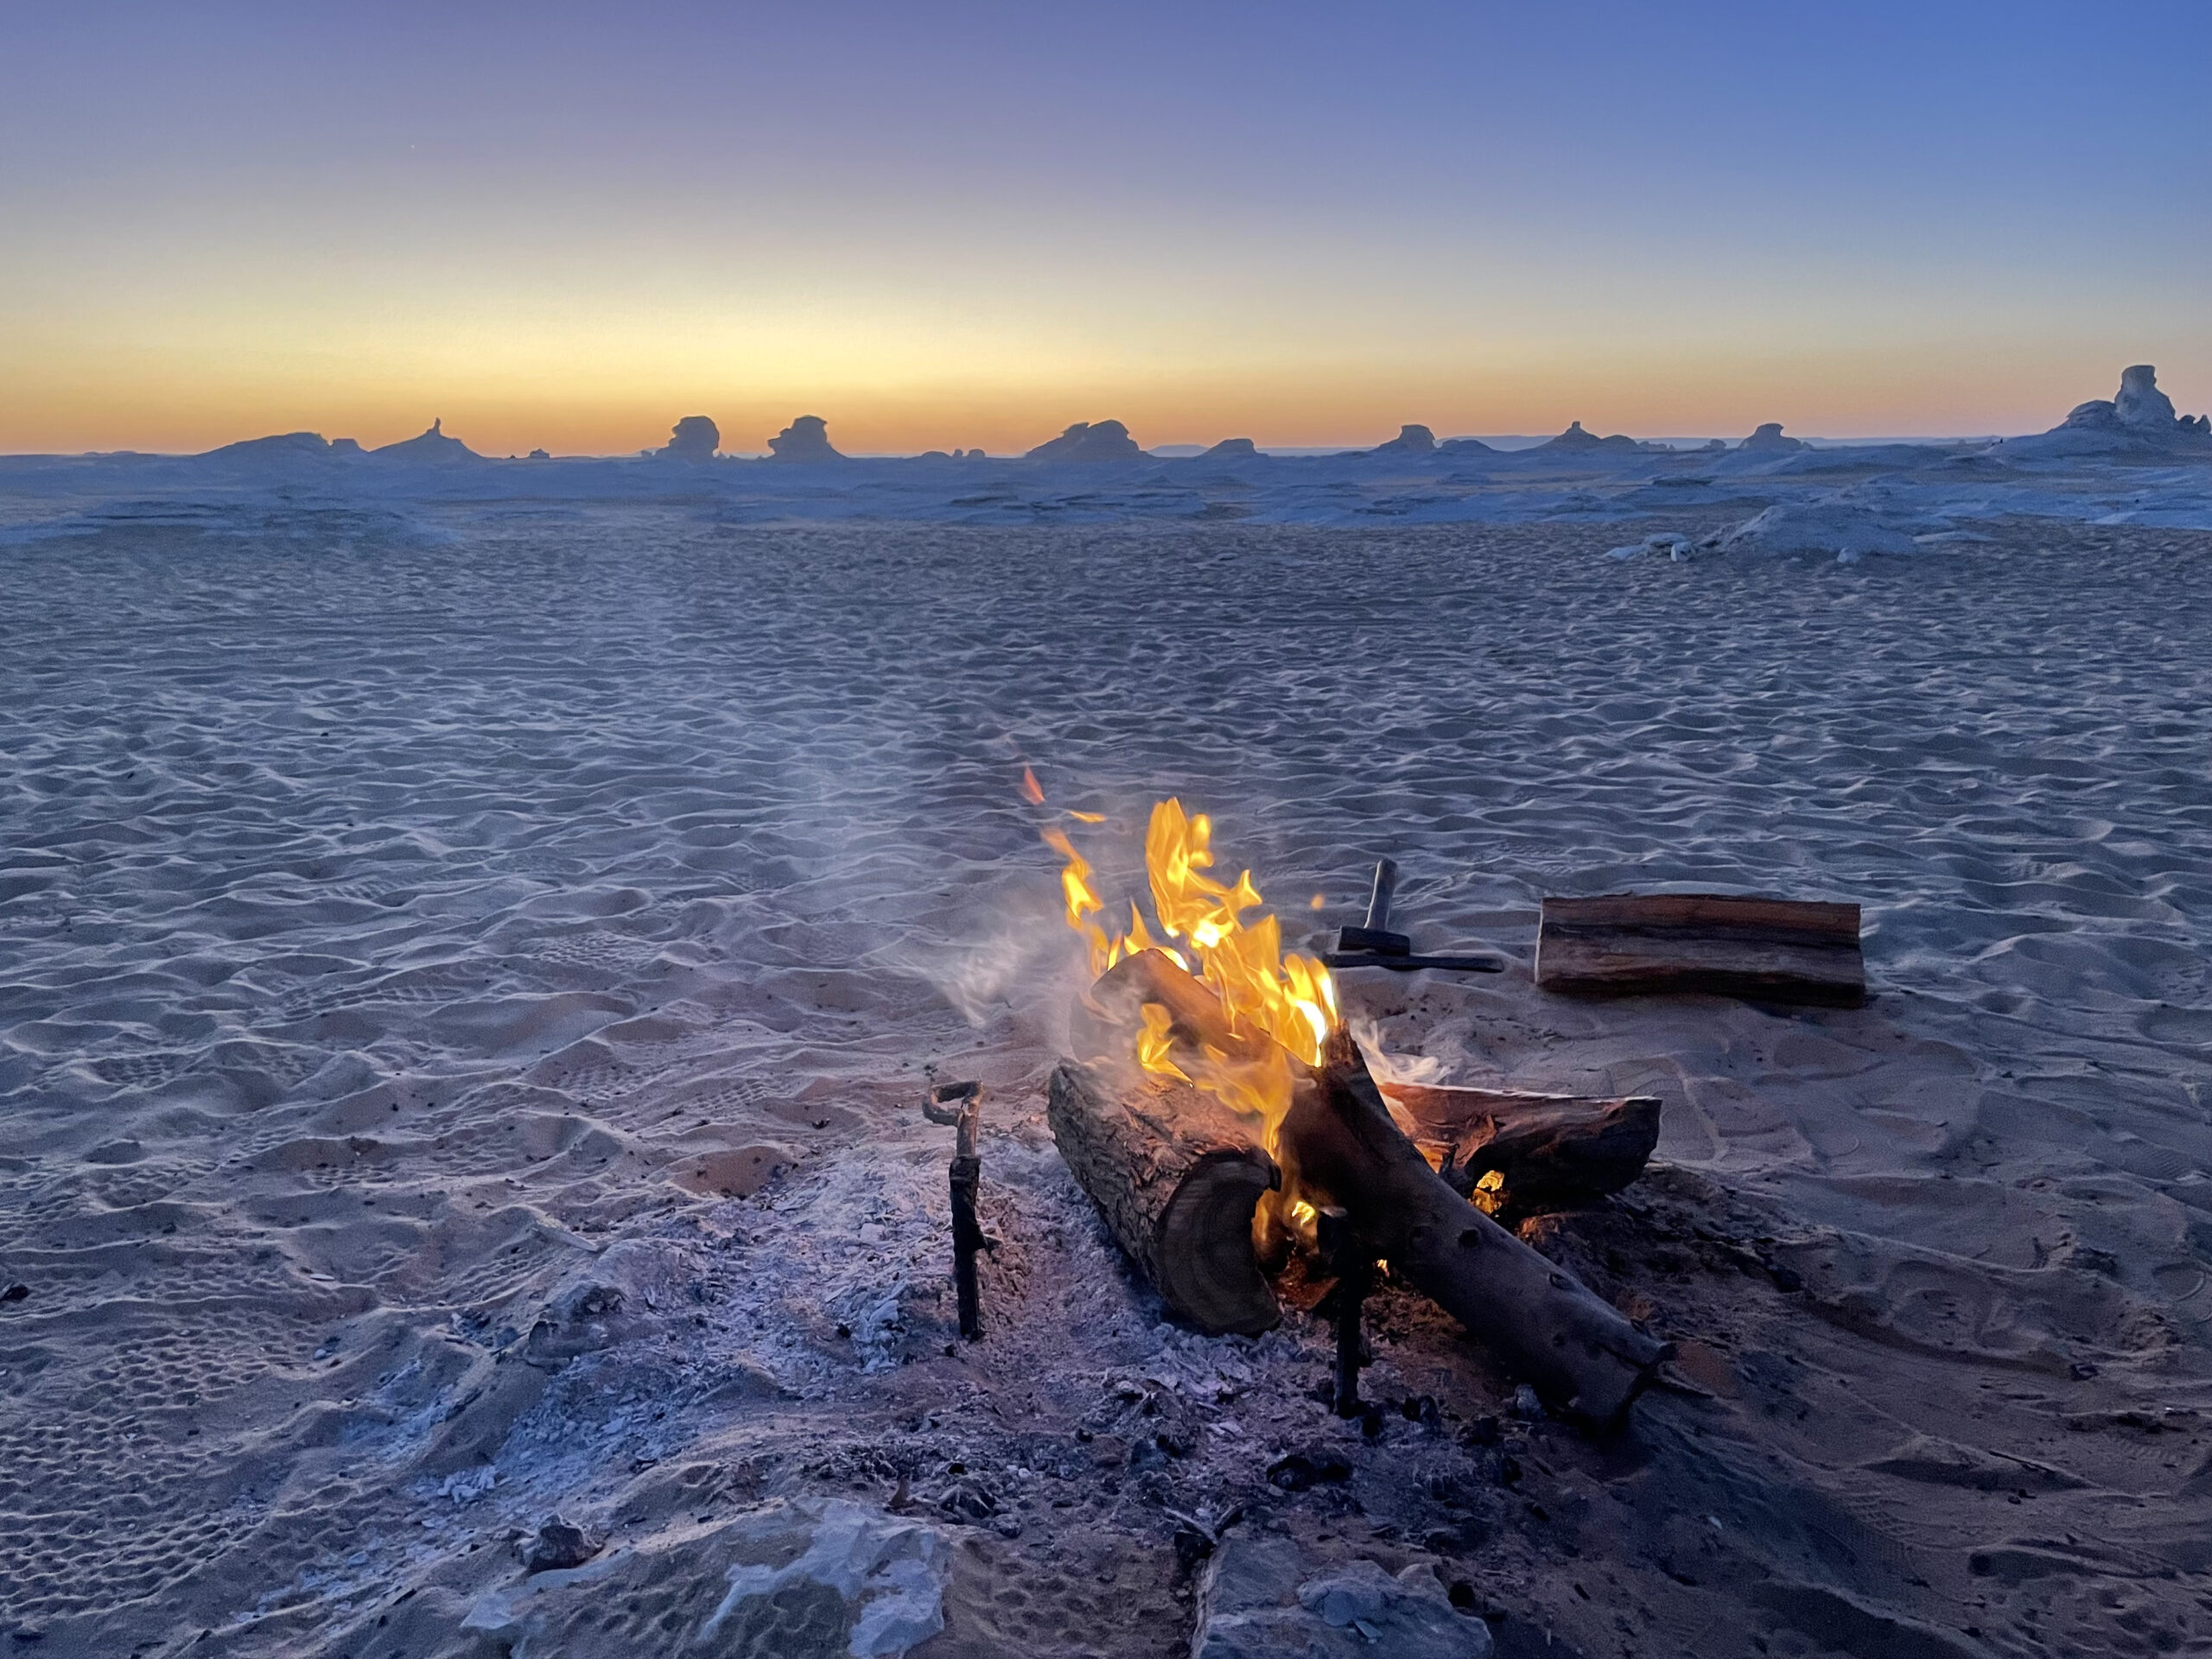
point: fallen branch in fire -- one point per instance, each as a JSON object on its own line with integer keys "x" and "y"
{"x": 1196, "y": 1196}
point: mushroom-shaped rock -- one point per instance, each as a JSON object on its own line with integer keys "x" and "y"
{"x": 694, "y": 438}
{"x": 806, "y": 438}
{"x": 1090, "y": 440}
{"x": 1769, "y": 441}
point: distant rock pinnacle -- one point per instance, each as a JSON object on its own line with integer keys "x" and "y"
{"x": 694, "y": 438}
{"x": 806, "y": 438}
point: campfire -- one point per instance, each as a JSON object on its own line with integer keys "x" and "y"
{"x": 1220, "y": 1116}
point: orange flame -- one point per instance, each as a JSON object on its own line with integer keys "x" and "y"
{"x": 1289, "y": 997}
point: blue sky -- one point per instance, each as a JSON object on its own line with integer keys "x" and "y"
{"x": 973, "y": 223}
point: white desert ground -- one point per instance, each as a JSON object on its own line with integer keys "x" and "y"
{"x": 469, "y": 965}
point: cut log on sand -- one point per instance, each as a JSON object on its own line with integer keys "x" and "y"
{"x": 1523, "y": 1154}
{"x": 1134, "y": 1150}
{"x": 1176, "y": 1174}
{"x": 1769, "y": 950}
{"x": 1584, "y": 1360}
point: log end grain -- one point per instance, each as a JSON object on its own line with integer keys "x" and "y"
{"x": 1176, "y": 1175}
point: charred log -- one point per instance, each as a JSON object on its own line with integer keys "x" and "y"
{"x": 1521, "y": 1154}
{"x": 1583, "y": 1358}
{"x": 1339, "y": 1143}
{"x": 1176, "y": 1174}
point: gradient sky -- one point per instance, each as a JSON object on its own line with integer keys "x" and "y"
{"x": 961, "y": 224}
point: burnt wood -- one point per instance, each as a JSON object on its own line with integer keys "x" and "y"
{"x": 1109, "y": 1014}
{"x": 1768, "y": 950}
{"x": 1339, "y": 1147}
{"x": 1584, "y": 1359}
{"x": 960, "y": 1104}
{"x": 1177, "y": 1175}
{"x": 1548, "y": 1151}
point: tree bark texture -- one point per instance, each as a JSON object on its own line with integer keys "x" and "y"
{"x": 1768, "y": 950}
{"x": 1582, "y": 1357}
{"x": 1176, "y": 1174}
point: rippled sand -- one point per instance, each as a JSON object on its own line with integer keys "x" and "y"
{"x": 402, "y": 932}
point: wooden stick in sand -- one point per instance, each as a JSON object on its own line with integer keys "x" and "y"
{"x": 1342, "y": 1254}
{"x": 960, "y": 1104}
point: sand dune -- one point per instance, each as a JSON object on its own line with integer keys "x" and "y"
{"x": 465, "y": 974}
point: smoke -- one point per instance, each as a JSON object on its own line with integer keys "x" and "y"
{"x": 1427, "y": 1069}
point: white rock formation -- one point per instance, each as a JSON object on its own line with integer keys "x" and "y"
{"x": 1833, "y": 530}
{"x": 1261, "y": 1597}
{"x": 1769, "y": 441}
{"x": 1410, "y": 441}
{"x": 1090, "y": 440}
{"x": 694, "y": 438}
{"x": 2137, "y": 423}
{"x": 431, "y": 448}
{"x": 806, "y": 438}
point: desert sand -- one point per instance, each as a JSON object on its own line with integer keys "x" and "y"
{"x": 467, "y": 975}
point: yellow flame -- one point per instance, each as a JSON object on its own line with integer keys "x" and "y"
{"x": 1155, "y": 1046}
{"x": 1289, "y": 997}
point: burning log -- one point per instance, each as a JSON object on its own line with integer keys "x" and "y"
{"x": 1341, "y": 1147}
{"x": 1770, "y": 949}
{"x": 1584, "y": 1359}
{"x": 1177, "y": 1175}
{"x": 1521, "y": 1154}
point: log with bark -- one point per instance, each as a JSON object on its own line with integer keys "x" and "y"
{"x": 1769, "y": 950}
{"x": 1133, "y": 1151}
{"x": 1584, "y": 1359}
{"x": 1521, "y": 1154}
{"x": 1177, "y": 1175}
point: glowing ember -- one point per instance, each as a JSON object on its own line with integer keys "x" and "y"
{"x": 1288, "y": 996}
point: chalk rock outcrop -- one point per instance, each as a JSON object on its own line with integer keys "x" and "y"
{"x": 1574, "y": 441}
{"x": 431, "y": 448}
{"x": 1410, "y": 441}
{"x": 2137, "y": 423}
{"x": 1090, "y": 440}
{"x": 279, "y": 447}
{"x": 1260, "y": 1597}
{"x": 1769, "y": 441}
{"x": 1832, "y": 530}
{"x": 806, "y": 438}
{"x": 693, "y": 438}
{"x": 1232, "y": 449}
